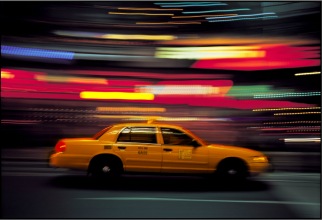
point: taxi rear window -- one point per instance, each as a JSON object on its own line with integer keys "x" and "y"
{"x": 101, "y": 132}
{"x": 138, "y": 135}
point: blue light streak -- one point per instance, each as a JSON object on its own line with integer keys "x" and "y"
{"x": 32, "y": 52}
{"x": 241, "y": 19}
{"x": 228, "y": 10}
{"x": 236, "y": 16}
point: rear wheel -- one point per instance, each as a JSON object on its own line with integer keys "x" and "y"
{"x": 232, "y": 169}
{"x": 105, "y": 167}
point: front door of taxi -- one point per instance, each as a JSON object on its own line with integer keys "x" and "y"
{"x": 139, "y": 149}
{"x": 180, "y": 156}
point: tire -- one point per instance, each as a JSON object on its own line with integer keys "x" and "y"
{"x": 105, "y": 168}
{"x": 232, "y": 170}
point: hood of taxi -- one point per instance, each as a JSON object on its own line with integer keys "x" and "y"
{"x": 235, "y": 149}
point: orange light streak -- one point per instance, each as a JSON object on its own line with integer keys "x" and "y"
{"x": 152, "y": 9}
{"x": 125, "y": 13}
{"x": 198, "y": 16}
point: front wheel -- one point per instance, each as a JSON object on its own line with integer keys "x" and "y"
{"x": 232, "y": 170}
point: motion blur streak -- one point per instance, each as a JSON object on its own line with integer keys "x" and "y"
{"x": 32, "y": 52}
{"x": 129, "y": 109}
{"x": 65, "y": 79}
{"x": 302, "y": 140}
{"x": 7, "y": 75}
{"x": 138, "y": 37}
{"x": 148, "y": 14}
{"x": 198, "y": 16}
{"x": 116, "y": 95}
{"x": 304, "y": 74}
{"x": 201, "y": 12}
{"x": 152, "y": 9}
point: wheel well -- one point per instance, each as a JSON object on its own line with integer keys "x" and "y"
{"x": 233, "y": 160}
{"x": 111, "y": 157}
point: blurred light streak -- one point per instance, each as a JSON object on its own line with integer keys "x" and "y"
{"x": 7, "y": 75}
{"x": 281, "y": 109}
{"x": 148, "y": 14}
{"x": 301, "y": 140}
{"x": 130, "y": 109}
{"x": 20, "y": 121}
{"x": 304, "y": 74}
{"x": 32, "y": 52}
{"x": 152, "y": 9}
{"x": 298, "y": 113}
{"x": 240, "y": 16}
{"x": 159, "y": 118}
{"x": 138, "y": 37}
{"x": 291, "y": 122}
{"x": 198, "y": 16}
{"x": 170, "y": 22}
{"x": 243, "y": 19}
{"x": 189, "y": 4}
{"x": 249, "y": 91}
{"x": 194, "y": 5}
{"x": 116, "y": 95}
{"x": 66, "y": 79}
{"x": 228, "y": 10}
{"x": 180, "y": 90}
{"x": 283, "y": 95}
{"x": 213, "y": 52}
{"x": 240, "y": 40}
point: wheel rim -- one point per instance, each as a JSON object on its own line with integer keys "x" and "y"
{"x": 106, "y": 169}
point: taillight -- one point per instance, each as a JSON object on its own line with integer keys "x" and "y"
{"x": 60, "y": 146}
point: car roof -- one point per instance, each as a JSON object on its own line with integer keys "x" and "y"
{"x": 147, "y": 124}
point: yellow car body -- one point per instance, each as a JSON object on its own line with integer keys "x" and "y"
{"x": 154, "y": 148}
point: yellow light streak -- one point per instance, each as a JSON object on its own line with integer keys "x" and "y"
{"x": 65, "y": 79}
{"x": 152, "y": 9}
{"x": 304, "y": 74}
{"x": 281, "y": 109}
{"x": 148, "y": 14}
{"x": 7, "y": 75}
{"x": 198, "y": 16}
{"x": 298, "y": 113}
{"x": 116, "y": 95}
{"x": 138, "y": 37}
{"x": 129, "y": 109}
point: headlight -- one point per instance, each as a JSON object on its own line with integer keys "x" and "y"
{"x": 260, "y": 159}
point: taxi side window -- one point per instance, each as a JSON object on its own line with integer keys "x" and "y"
{"x": 138, "y": 135}
{"x": 175, "y": 137}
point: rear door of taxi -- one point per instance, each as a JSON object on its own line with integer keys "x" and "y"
{"x": 181, "y": 154}
{"x": 139, "y": 149}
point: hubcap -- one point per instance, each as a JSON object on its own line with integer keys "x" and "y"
{"x": 232, "y": 172}
{"x": 106, "y": 169}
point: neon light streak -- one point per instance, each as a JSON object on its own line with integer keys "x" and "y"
{"x": 298, "y": 113}
{"x": 198, "y": 16}
{"x": 116, "y": 95}
{"x": 240, "y": 16}
{"x": 196, "y": 5}
{"x": 170, "y": 22}
{"x": 241, "y": 19}
{"x": 138, "y": 37}
{"x": 129, "y": 109}
{"x": 152, "y": 9}
{"x": 23, "y": 51}
{"x": 282, "y": 109}
{"x": 304, "y": 74}
{"x": 126, "y": 13}
{"x": 282, "y": 95}
{"x": 228, "y": 10}
{"x": 7, "y": 75}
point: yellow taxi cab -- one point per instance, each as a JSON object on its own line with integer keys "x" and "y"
{"x": 151, "y": 147}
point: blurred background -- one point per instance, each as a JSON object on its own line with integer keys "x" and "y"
{"x": 242, "y": 73}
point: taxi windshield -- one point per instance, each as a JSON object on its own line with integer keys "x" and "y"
{"x": 101, "y": 132}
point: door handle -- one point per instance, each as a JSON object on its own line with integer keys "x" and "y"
{"x": 167, "y": 149}
{"x": 121, "y": 148}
